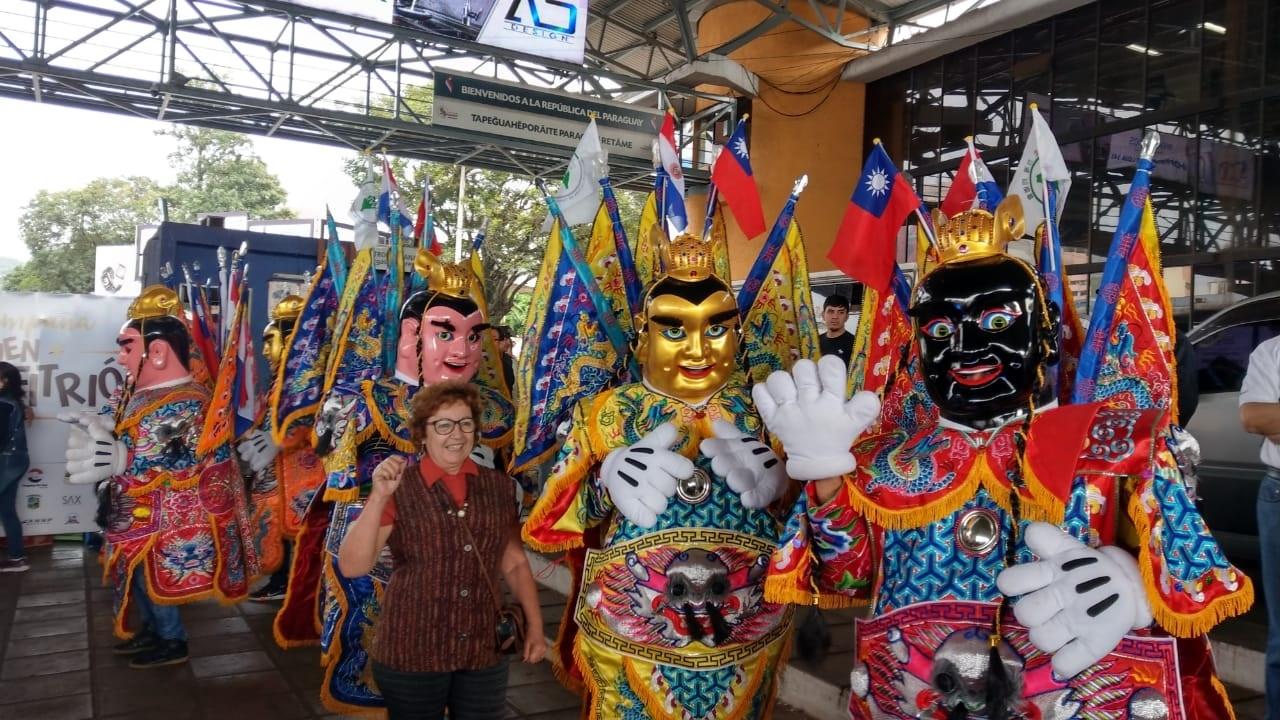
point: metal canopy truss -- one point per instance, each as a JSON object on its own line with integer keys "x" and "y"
{"x": 274, "y": 69}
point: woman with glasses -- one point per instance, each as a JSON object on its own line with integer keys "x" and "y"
{"x": 451, "y": 527}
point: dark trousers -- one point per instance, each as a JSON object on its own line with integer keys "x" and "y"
{"x": 467, "y": 694}
{"x": 1269, "y": 540}
{"x": 9, "y": 518}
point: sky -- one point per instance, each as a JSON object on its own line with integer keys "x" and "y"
{"x": 51, "y": 147}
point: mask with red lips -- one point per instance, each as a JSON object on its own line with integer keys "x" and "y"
{"x": 440, "y": 338}
{"x": 983, "y": 338}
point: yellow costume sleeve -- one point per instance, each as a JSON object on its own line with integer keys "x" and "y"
{"x": 573, "y": 499}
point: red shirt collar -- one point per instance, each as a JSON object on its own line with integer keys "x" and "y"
{"x": 431, "y": 472}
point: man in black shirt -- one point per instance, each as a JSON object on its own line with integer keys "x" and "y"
{"x": 836, "y": 340}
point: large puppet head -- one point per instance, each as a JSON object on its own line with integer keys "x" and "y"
{"x": 275, "y": 336}
{"x": 442, "y": 327}
{"x": 986, "y": 333}
{"x": 688, "y": 325}
{"x": 154, "y": 342}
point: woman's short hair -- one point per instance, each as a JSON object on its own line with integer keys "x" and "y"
{"x": 433, "y": 397}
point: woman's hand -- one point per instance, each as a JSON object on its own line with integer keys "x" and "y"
{"x": 386, "y": 477}
{"x": 535, "y": 646}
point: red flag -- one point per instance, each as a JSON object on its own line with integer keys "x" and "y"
{"x": 866, "y": 243}
{"x": 733, "y": 179}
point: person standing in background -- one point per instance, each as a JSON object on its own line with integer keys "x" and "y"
{"x": 508, "y": 359}
{"x": 836, "y": 340}
{"x": 14, "y": 462}
{"x": 1260, "y": 415}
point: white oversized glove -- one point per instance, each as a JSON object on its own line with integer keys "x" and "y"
{"x": 807, "y": 411}
{"x": 93, "y": 453}
{"x": 642, "y": 478}
{"x": 257, "y": 449}
{"x": 749, "y": 466}
{"x": 1077, "y": 602}
{"x": 483, "y": 456}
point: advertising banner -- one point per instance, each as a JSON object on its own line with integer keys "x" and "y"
{"x": 113, "y": 271}
{"x": 493, "y": 107}
{"x": 1224, "y": 169}
{"x": 553, "y": 29}
{"x": 64, "y": 346}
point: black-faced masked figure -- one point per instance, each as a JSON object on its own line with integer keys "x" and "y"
{"x": 1022, "y": 559}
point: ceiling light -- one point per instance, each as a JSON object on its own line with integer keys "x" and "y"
{"x": 1213, "y": 28}
{"x": 1143, "y": 49}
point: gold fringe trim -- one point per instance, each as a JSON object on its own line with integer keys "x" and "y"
{"x": 282, "y": 642}
{"x": 917, "y": 516}
{"x": 340, "y": 496}
{"x": 1222, "y": 693}
{"x": 592, "y": 691}
{"x": 164, "y": 477}
{"x": 538, "y": 459}
{"x": 214, "y": 592}
{"x": 381, "y": 424}
{"x": 640, "y": 688}
{"x": 541, "y": 515}
{"x": 1043, "y": 506}
{"x": 139, "y": 415}
{"x": 289, "y": 420}
{"x": 782, "y": 589}
{"x": 1178, "y": 623}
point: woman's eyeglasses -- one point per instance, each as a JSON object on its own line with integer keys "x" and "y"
{"x": 444, "y": 427}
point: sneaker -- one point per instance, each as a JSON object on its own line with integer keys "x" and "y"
{"x": 268, "y": 593}
{"x": 142, "y": 642}
{"x": 166, "y": 652}
{"x": 14, "y": 566}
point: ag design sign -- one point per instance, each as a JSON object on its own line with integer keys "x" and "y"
{"x": 64, "y": 346}
{"x": 509, "y": 110}
{"x": 553, "y": 29}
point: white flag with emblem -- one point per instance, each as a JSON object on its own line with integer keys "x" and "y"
{"x": 580, "y": 197}
{"x": 1041, "y": 163}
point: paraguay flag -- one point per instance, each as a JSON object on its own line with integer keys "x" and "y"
{"x": 731, "y": 175}
{"x": 669, "y": 184}
{"x": 391, "y": 193}
{"x": 866, "y": 243}
{"x": 973, "y": 187}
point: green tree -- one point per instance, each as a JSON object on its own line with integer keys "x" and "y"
{"x": 61, "y": 230}
{"x": 218, "y": 171}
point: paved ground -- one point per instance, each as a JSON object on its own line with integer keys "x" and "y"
{"x": 55, "y": 627}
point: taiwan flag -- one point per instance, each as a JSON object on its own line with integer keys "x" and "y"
{"x": 866, "y": 243}
{"x": 732, "y": 177}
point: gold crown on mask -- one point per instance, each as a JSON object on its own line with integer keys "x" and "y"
{"x": 289, "y": 308}
{"x": 688, "y": 258}
{"x": 450, "y": 279}
{"x": 975, "y": 234}
{"x": 156, "y": 301}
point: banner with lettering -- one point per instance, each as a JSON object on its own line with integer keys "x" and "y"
{"x": 64, "y": 346}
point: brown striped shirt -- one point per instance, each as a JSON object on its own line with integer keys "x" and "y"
{"x": 438, "y": 614}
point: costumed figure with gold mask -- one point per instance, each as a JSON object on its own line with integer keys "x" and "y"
{"x": 288, "y": 475}
{"x": 668, "y": 483}
{"x": 176, "y": 524}
{"x": 1023, "y": 558}
{"x": 362, "y": 421}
